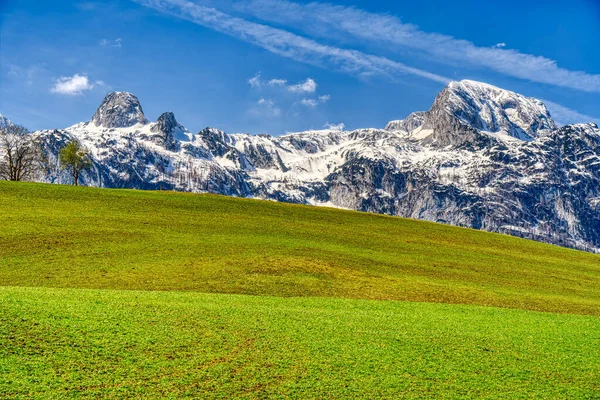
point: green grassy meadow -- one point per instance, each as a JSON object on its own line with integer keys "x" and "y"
{"x": 107, "y": 343}
{"x": 123, "y": 293}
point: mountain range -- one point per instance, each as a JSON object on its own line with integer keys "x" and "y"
{"x": 480, "y": 157}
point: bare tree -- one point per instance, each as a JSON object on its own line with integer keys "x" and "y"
{"x": 74, "y": 158}
{"x": 20, "y": 155}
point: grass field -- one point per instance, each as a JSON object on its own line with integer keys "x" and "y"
{"x": 125, "y": 293}
{"x": 105, "y": 343}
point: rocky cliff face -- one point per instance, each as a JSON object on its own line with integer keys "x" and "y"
{"x": 481, "y": 157}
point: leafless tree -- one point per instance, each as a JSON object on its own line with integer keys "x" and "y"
{"x": 20, "y": 155}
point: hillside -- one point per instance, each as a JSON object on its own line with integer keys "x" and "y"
{"x": 139, "y": 294}
{"x": 67, "y": 237}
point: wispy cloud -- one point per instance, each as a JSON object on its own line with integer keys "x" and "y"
{"x": 307, "y": 86}
{"x": 27, "y": 74}
{"x": 255, "y": 81}
{"x": 327, "y": 20}
{"x": 313, "y": 103}
{"x": 265, "y": 102}
{"x": 265, "y": 108}
{"x": 277, "y": 82}
{"x": 288, "y": 44}
{"x": 335, "y": 127}
{"x": 281, "y": 86}
{"x": 73, "y": 85}
{"x": 564, "y": 116}
{"x": 88, "y": 5}
{"x": 111, "y": 43}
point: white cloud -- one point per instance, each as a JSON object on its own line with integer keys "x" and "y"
{"x": 330, "y": 21}
{"x": 305, "y": 87}
{"x": 287, "y": 44}
{"x": 277, "y": 82}
{"x": 73, "y": 85}
{"x": 255, "y": 81}
{"x": 313, "y": 103}
{"x": 265, "y": 108}
{"x": 309, "y": 103}
{"x": 565, "y": 116}
{"x": 265, "y": 102}
{"x": 335, "y": 127}
{"x": 308, "y": 86}
{"x": 500, "y": 45}
{"x": 108, "y": 43}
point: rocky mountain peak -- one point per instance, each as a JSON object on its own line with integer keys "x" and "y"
{"x": 119, "y": 110}
{"x": 168, "y": 131}
{"x": 166, "y": 123}
{"x": 491, "y": 109}
{"x": 474, "y": 113}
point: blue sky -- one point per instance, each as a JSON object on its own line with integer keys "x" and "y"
{"x": 279, "y": 66}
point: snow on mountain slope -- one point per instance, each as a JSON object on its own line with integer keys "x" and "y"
{"x": 4, "y": 122}
{"x": 481, "y": 157}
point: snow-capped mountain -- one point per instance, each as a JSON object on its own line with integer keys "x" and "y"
{"x": 481, "y": 157}
{"x": 4, "y": 122}
{"x": 486, "y": 109}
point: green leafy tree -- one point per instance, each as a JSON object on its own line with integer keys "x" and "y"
{"x": 75, "y": 159}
